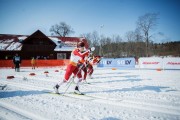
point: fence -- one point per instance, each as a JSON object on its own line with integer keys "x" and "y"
{"x": 146, "y": 62}
{"x": 39, "y": 63}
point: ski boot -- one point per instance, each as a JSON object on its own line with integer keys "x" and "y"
{"x": 56, "y": 87}
{"x": 76, "y": 91}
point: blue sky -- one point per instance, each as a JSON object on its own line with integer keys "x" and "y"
{"x": 85, "y": 16}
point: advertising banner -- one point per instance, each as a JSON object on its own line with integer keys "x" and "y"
{"x": 159, "y": 63}
{"x": 171, "y": 63}
{"x": 151, "y": 62}
{"x": 117, "y": 62}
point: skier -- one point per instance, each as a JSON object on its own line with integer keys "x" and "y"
{"x": 86, "y": 65}
{"x": 17, "y": 62}
{"x": 72, "y": 67}
{"x": 94, "y": 60}
{"x": 83, "y": 65}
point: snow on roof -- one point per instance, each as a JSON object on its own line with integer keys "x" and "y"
{"x": 13, "y": 42}
{"x": 7, "y": 41}
{"x": 55, "y": 40}
{"x": 63, "y": 46}
{"x": 3, "y": 46}
{"x": 14, "y": 46}
{"x": 22, "y": 37}
{"x": 10, "y": 44}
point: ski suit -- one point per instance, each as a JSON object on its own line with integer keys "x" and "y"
{"x": 83, "y": 63}
{"x": 72, "y": 67}
{"x": 93, "y": 61}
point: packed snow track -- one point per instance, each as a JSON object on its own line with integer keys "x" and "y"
{"x": 111, "y": 95}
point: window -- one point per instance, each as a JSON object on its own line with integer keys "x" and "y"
{"x": 61, "y": 55}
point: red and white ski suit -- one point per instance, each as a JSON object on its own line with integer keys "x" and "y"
{"x": 83, "y": 63}
{"x": 94, "y": 61}
{"x": 76, "y": 55}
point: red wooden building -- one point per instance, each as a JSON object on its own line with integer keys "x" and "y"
{"x": 37, "y": 45}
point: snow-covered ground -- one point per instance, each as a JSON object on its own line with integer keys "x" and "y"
{"x": 111, "y": 95}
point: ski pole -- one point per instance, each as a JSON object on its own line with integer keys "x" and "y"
{"x": 72, "y": 79}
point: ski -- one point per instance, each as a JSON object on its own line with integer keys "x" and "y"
{"x": 54, "y": 93}
{"x": 65, "y": 94}
{"x": 84, "y": 96}
{"x": 78, "y": 93}
{"x": 72, "y": 95}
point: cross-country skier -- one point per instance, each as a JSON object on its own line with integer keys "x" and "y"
{"x": 76, "y": 55}
{"x": 86, "y": 65}
{"x": 17, "y": 62}
{"x": 92, "y": 62}
{"x": 83, "y": 65}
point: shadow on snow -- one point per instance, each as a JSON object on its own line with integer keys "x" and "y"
{"x": 110, "y": 118}
{"x": 20, "y": 93}
{"x": 139, "y": 88}
{"x": 131, "y": 78}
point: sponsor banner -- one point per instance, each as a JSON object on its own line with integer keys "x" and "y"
{"x": 171, "y": 63}
{"x": 151, "y": 62}
{"x": 158, "y": 62}
{"x": 117, "y": 62}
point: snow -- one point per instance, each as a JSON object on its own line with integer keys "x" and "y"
{"x": 10, "y": 46}
{"x": 14, "y": 46}
{"x": 55, "y": 40}
{"x": 3, "y": 46}
{"x": 22, "y": 38}
{"x": 63, "y": 46}
{"x": 130, "y": 94}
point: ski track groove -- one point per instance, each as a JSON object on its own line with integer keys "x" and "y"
{"x": 123, "y": 103}
{"x": 21, "y": 112}
{"x": 97, "y": 86}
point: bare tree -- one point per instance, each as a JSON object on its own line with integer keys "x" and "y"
{"x": 116, "y": 45}
{"x": 130, "y": 36}
{"x": 61, "y": 29}
{"x": 145, "y": 24}
{"x": 139, "y": 43}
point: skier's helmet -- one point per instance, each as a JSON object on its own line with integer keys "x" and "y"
{"x": 80, "y": 44}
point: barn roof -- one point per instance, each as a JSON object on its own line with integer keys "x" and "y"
{"x": 11, "y": 42}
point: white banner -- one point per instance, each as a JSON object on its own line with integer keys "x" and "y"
{"x": 159, "y": 63}
{"x": 151, "y": 62}
{"x": 171, "y": 63}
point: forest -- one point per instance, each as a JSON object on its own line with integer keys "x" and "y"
{"x": 133, "y": 46}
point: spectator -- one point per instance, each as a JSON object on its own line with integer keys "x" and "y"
{"x": 33, "y": 63}
{"x": 17, "y": 62}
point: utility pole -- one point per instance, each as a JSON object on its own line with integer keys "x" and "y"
{"x": 101, "y": 50}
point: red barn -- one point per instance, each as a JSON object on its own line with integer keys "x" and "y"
{"x": 38, "y": 45}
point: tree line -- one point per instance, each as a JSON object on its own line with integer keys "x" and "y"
{"x": 134, "y": 46}
{"x": 137, "y": 43}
